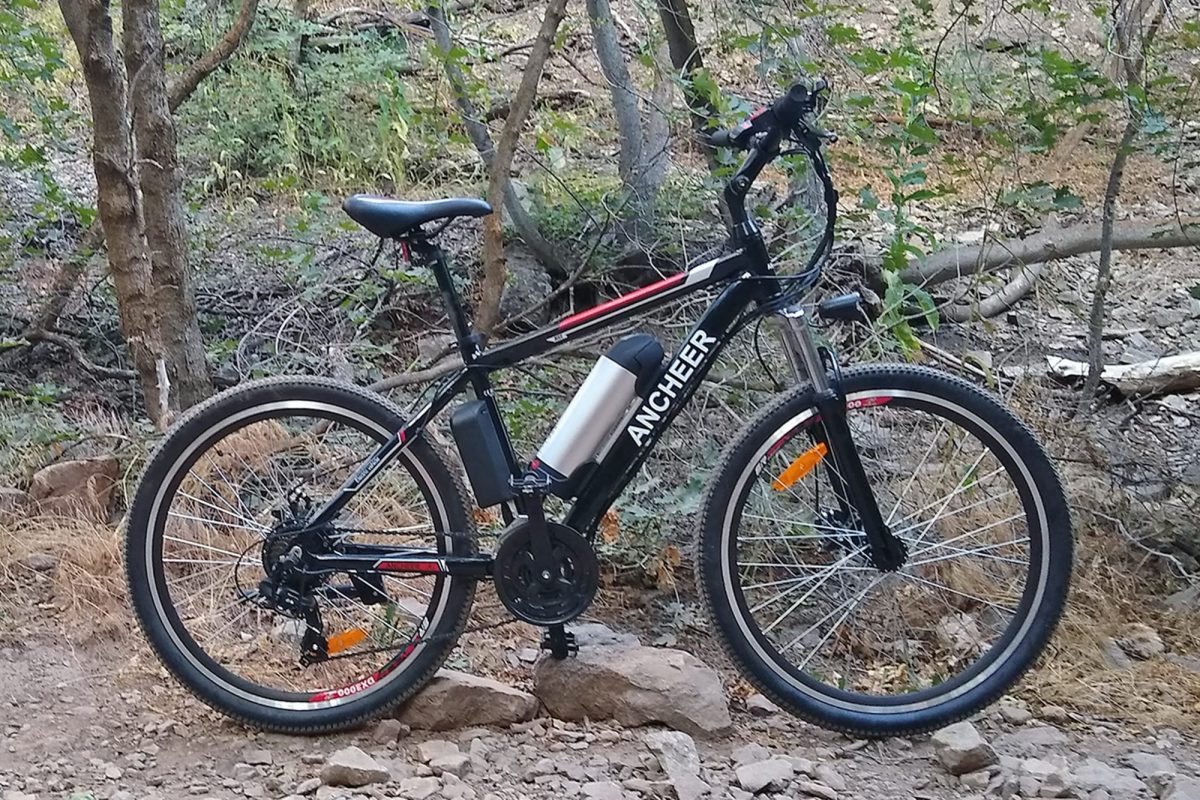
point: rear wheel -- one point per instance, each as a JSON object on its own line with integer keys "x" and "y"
{"x": 783, "y": 560}
{"x": 212, "y": 514}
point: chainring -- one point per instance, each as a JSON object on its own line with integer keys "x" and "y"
{"x": 571, "y": 586}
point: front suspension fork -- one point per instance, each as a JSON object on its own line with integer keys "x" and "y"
{"x": 848, "y": 476}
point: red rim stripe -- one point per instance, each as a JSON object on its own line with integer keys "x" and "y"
{"x": 622, "y": 301}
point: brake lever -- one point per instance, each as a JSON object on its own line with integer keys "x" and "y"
{"x": 810, "y": 124}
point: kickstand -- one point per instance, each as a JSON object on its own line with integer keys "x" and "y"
{"x": 559, "y": 643}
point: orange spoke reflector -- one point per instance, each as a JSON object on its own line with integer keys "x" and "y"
{"x": 803, "y": 465}
{"x": 340, "y": 642}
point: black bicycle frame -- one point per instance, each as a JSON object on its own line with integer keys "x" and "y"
{"x": 751, "y": 289}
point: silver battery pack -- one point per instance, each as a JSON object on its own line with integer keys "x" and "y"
{"x": 601, "y": 402}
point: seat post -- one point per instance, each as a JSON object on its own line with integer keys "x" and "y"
{"x": 432, "y": 254}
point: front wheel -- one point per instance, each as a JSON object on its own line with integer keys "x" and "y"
{"x": 784, "y": 565}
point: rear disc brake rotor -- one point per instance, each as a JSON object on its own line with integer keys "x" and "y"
{"x": 528, "y": 594}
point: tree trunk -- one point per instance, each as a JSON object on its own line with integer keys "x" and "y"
{"x": 118, "y": 201}
{"x": 1126, "y": 29}
{"x": 687, "y": 61}
{"x": 160, "y": 178}
{"x": 481, "y": 137}
{"x": 642, "y": 160}
{"x": 494, "y": 267}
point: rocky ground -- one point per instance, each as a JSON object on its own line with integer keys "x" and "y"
{"x": 101, "y": 723}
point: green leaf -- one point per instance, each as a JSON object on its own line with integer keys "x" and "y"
{"x": 928, "y": 307}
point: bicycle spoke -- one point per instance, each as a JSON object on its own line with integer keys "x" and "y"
{"x": 916, "y": 471}
{"x": 963, "y": 520}
{"x": 857, "y": 598}
{"x": 944, "y": 588}
{"x": 829, "y": 573}
{"x": 973, "y": 551}
{"x": 962, "y": 536}
{"x": 207, "y": 547}
{"x": 206, "y": 521}
{"x": 251, "y": 525}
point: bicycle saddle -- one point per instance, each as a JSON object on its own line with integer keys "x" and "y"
{"x": 388, "y": 218}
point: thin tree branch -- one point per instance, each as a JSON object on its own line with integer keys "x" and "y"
{"x": 76, "y": 352}
{"x": 494, "y": 267}
{"x": 186, "y": 84}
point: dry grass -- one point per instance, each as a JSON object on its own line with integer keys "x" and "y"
{"x": 84, "y": 595}
{"x": 1108, "y": 593}
{"x": 1115, "y": 583}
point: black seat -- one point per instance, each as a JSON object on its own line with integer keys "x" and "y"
{"x": 387, "y": 218}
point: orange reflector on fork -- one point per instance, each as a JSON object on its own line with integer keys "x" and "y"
{"x": 343, "y": 641}
{"x": 803, "y": 465}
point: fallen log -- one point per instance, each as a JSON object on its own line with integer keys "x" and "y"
{"x": 1179, "y": 373}
{"x": 958, "y": 261}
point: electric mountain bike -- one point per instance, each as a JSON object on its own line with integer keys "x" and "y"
{"x": 884, "y": 549}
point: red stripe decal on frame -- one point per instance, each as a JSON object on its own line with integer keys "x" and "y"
{"x": 623, "y": 300}
{"x": 409, "y": 566}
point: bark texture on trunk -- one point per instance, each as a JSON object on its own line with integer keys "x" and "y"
{"x": 118, "y": 201}
{"x": 641, "y": 126}
{"x": 687, "y": 60}
{"x": 160, "y": 178}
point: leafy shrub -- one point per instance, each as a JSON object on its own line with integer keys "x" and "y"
{"x": 302, "y": 105}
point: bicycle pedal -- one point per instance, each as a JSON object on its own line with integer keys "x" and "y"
{"x": 559, "y": 643}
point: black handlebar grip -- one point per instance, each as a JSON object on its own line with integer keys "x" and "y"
{"x": 721, "y": 138}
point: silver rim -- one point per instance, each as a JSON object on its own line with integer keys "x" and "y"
{"x": 817, "y": 559}
{"x": 217, "y": 513}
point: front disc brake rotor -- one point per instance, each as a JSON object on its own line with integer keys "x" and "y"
{"x": 528, "y": 594}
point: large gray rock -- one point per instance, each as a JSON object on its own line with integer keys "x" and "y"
{"x": 1155, "y": 769}
{"x": 602, "y": 790}
{"x": 350, "y": 766}
{"x": 961, "y": 749}
{"x": 458, "y": 700}
{"x": 679, "y": 759}
{"x": 1183, "y": 788}
{"x": 774, "y": 773}
{"x": 1039, "y": 777}
{"x": 80, "y": 489}
{"x": 1098, "y": 775}
{"x": 634, "y": 685}
{"x": 815, "y": 789}
{"x": 419, "y": 788}
{"x": 1032, "y": 741}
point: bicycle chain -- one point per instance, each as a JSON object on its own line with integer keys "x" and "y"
{"x": 438, "y": 638}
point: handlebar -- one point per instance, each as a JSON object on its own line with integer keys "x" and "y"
{"x": 796, "y": 109}
{"x": 793, "y": 116}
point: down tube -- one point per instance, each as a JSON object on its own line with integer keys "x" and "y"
{"x": 692, "y": 360}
